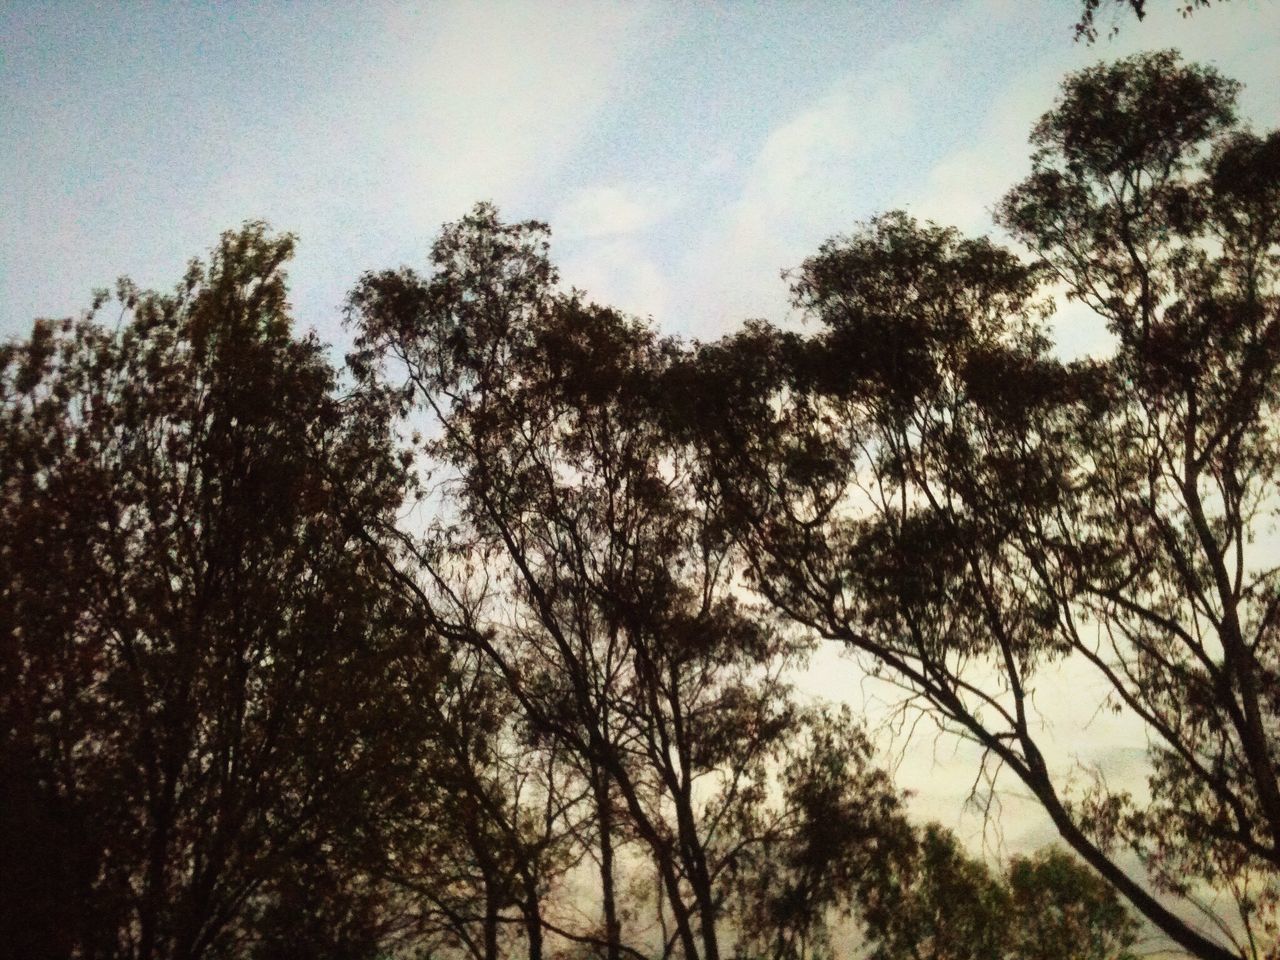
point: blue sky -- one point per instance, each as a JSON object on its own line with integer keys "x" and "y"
{"x": 683, "y": 153}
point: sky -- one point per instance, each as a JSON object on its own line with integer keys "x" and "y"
{"x": 684, "y": 155}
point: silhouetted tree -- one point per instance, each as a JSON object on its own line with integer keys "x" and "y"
{"x": 926, "y": 482}
{"x": 609, "y": 606}
{"x": 945, "y": 905}
{"x": 488, "y": 832}
{"x": 250, "y": 706}
{"x": 822, "y": 862}
{"x": 1087, "y": 26}
{"x": 199, "y": 668}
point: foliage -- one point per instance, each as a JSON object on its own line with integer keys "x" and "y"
{"x": 925, "y": 481}
{"x": 834, "y": 854}
{"x": 586, "y": 566}
{"x": 947, "y": 906}
{"x": 1165, "y": 549}
{"x": 1087, "y": 26}
{"x": 201, "y": 653}
{"x": 299, "y": 670}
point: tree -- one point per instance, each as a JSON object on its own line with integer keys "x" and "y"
{"x": 924, "y": 481}
{"x": 1184, "y": 273}
{"x": 948, "y": 906}
{"x": 580, "y": 560}
{"x": 201, "y": 659}
{"x": 488, "y": 828}
{"x": 831, "y": 857}
{"x": 1062, "y": 909}
{"x": 1087, "y": 26}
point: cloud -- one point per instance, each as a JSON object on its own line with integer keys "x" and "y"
{"x": 862, "y": 147}
{"x": 604, "y": 237}
{"x": 619, "y": 273}
{"x": 362, "y": 130}
{"x": 498, "y": 97}
{"x": 962, "y": 188}
{"x": 815, "y": 174}
{"x": 774, "y": 208}
{"x": 812, "y": 164}
{"x": 604, "y": 211}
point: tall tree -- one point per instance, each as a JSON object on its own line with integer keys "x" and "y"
{"x": 480, "y": 845}
{"x": 1154, "y": 208}
{"x": 926, "y": 482}
{"x": 611, "y": 610}
{"x": 200, "y": 655}
{"x": 828, "y": 857}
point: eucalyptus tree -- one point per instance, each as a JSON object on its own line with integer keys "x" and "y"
{"x": 485, "y": 839}
{"x": 831, "y": 853}
{"x": 578, "y": 556}
{"x": 945, "y": 905}
{"x": 926, "y": 481}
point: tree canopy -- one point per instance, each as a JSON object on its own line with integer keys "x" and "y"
{"x": 200, "y": 651}
{"x": 484, "y": 644}
{"x": 924, "y": 480}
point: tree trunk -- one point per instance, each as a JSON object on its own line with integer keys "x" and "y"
{"x": 533, "y": 918}
{"x": 490, "y": 922}
{"x": 604, "y": 815}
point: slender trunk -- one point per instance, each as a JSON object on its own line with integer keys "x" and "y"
{"x": 692, "y": 851}
{"x": 1170, "y": 924}
{"x": 533, "y": 918}
{"x": 604, "y": 816}
{"x": 490, "y": 922}
{"x": 658, "y": 843}
{"x": 663, "y": 857}
{"x": 698, "y": 876}
{"x": 679, "y": 909}
{"x": 154, "y": 889}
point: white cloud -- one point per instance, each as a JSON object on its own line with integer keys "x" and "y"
{"x": 602, "y": 211}
{"x": 618, "y": 273}
{"x": 814, "y": 175}
{"x": 962, "y": 188}
{"x": 496, "y": 99}
{"x": 816, "y": 160}
{"x": 608, "y": 231}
